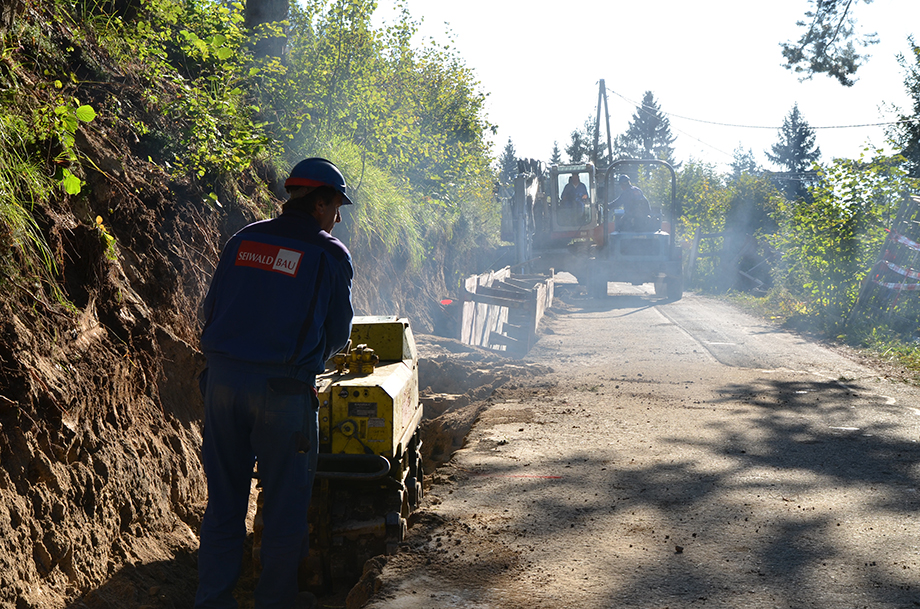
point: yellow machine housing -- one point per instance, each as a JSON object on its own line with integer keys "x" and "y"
{"x": 373, "y": 408}
{"x": 369, "y": 473}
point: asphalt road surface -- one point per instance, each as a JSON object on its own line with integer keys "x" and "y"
{"x": 681, "y": 454}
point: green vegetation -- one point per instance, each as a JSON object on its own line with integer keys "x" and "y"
{"x": 801, "y": 261}
{"x": 23, "y": 184}
{"x": 648, "y": 135}
{"x": 404, "y": 121}
{"x": 829, "y": 244}
{"x": 813, "y": 254}
{"x": 830, "y": 42}
{"x": 796, "y": 152}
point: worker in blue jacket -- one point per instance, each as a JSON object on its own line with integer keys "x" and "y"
{"x": 278, "y": 307}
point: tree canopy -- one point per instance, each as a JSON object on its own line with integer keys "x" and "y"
{"x": 648, "y": 135}
{"x": 581, "y": 148}
{"x": 743, "y": 161}
{"x": 578, "y": 149}
{"x": 795, "y": 151}
{"x": 830, "y": 42}
{"x": 259, "y": 17}
{"x": 906, "y": 134}
{"x": 403, "y": 119}
{"x": 556, "y": 155}
{"x": 507, "y": 164}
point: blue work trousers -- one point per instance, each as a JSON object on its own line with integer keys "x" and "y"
{"x": 252, "y": 414}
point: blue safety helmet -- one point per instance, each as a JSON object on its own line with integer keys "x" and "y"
{"x": 318, "y": 172}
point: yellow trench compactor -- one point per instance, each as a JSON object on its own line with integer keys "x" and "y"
{"x": 369, "y": 476}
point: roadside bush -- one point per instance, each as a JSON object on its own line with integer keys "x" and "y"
{"x": 829, "y": 245}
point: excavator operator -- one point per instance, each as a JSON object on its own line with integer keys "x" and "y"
{"x": 575, "y": 200}
{"x": 575, "y": 193}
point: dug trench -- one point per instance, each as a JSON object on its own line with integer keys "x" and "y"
{"x": 458, "y": 384}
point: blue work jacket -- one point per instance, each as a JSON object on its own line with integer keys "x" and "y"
{"x": 280, "y": 297}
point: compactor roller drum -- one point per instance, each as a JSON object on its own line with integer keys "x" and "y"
{"x": 370, "y": 474}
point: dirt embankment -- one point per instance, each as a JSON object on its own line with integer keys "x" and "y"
{"x": 100, "y": 414}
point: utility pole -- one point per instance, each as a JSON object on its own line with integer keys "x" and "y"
{"x": 602, "y": 97}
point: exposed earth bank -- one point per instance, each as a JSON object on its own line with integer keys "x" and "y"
{"x": 101, "y": 484}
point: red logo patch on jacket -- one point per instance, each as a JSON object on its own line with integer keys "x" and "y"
{"x": 268, "y": 257}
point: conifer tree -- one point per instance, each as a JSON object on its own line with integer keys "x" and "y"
{"x": 829, "y": 44}
{"x": 577, "y": 150}
{"x": 795, "y": 152}
{"x": 581, "y": 148}
{"x": 508, "y": 163}
{"x": 556, "y": 157}
{"x": 743, "y": 161}
{"x": 648, "y": 135}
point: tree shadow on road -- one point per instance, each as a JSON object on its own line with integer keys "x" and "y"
{"x": 795, "y": 498}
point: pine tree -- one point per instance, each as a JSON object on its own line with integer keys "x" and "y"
{"x": 624, "y": 148}
{"x": 829, "y": 43}
{"x": 743, "y": 161}
{"x": 648, "y": 135}
{"x": 795, "y": 151}
{"x": 577, "y": 150}
{"x": 508, "y": 164}
{"x": 581, "y": 147}
{"x": 591, "y": 134}
{"x": 556, "y": 158}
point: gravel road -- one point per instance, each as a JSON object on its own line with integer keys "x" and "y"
{"x": 679, "y": 455}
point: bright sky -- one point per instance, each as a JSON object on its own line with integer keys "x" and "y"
{"x": 713, "y": 60}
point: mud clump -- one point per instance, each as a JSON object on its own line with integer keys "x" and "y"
{"x": 457, "y": 383}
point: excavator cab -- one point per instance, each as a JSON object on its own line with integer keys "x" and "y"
{"x": 567, "y": 211}
{"x": 573, "y": 191}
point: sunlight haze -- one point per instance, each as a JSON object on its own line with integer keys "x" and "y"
{"x": 717, "y": 61}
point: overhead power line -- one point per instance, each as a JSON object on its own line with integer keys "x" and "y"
{"x": 698, "y": 120}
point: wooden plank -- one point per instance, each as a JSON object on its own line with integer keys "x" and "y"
{"x": 492, "y": 299}
{"x": 498, "y": 289}
{"x": 514, "y": 282}
{"x": 539, "y": 306}
{"x": 752, "y": 278}
{"x": 500, "y": 339}
{"x": 495, "y": 300}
